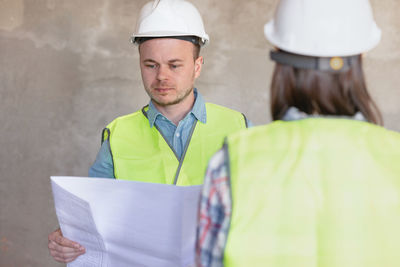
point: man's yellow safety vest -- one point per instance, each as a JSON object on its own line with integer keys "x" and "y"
{"x": 140, "y": 153}
{"x": 314, "y": 192}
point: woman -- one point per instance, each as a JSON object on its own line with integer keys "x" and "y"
{"x": 319, "y": 186}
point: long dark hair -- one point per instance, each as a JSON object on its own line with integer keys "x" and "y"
{"x": 322, "y": 92}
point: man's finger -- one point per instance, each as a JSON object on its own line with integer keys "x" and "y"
{"x": 62, "y": 241}
{"x": 66, "y": 257}
{"x": 64, "y": 249}
{"x": 58, "y": 238}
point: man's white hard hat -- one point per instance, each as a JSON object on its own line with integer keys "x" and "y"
{"x": 168, "y": 18}
{"x": 323, "y": 28}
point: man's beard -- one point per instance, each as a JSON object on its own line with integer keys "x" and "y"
{"x": 179, "y": 99}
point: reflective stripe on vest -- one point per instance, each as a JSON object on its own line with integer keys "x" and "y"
{"x": 140, "y": 153}
{"x": 314, "y": 192}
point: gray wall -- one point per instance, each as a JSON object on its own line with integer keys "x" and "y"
{"x": 67, "y": 69}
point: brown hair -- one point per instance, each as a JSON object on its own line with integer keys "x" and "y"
{"x": 196, "y": 51}
{"x": 322, "y": 92}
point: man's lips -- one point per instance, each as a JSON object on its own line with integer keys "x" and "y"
{"x": 163, "y": 89}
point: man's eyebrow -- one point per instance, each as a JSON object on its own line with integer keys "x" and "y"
{"x": 175, "y": 60}
{"x": 149, "y": 61}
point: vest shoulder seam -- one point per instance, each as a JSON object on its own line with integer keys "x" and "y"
{"x": 222, "y": 108}
{"x": 133, "y": 115}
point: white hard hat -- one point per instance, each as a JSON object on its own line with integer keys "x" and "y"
{"x": 323, "y": 28}
{"x": 164, "y": 18}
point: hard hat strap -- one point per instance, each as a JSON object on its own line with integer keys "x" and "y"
{"x": 331, "y": 64}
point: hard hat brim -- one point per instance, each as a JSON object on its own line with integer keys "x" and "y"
{"x": 204, "y": 39}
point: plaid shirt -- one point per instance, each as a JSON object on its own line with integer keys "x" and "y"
{"x": 214, "y": 212}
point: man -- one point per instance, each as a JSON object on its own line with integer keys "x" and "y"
{"x": 171, "y": 140}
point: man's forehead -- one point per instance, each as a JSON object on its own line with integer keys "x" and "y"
{"x": 165, "y": 41}
{"x": 167, "y": 48}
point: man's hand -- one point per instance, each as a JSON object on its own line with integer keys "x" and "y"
{"x": 63, "y": 249}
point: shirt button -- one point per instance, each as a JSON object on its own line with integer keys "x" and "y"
{"x": 177, "y": 134}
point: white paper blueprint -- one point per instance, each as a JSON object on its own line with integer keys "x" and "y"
{"x": 126, "y": 223}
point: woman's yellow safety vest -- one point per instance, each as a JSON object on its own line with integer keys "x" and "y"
{"x": 140, "y": 153}
{"x": 314, "y": 192}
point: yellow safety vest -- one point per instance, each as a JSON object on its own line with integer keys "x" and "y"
{"x": 140, "y": 153}
{"x": 314, "y": 193}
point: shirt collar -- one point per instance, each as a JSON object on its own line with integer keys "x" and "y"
{"x": 294, "y": 113}
{"x": 198, "y": 110}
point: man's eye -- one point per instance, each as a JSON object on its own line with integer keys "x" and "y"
{"x": 175, "y": 66}
{"x": 151, "y": 66}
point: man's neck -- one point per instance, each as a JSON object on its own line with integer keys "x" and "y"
{"x": 177, "y": 112}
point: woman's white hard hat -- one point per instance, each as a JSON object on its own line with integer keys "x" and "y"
{"x": 323, "y": 28}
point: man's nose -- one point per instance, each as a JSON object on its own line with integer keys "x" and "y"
{"x": 162, "y": 73}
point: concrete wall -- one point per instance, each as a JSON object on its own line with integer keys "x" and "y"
{"x": 67, "y": 69}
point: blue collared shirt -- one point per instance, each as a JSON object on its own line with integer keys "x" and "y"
{"x": 176, "y": 136}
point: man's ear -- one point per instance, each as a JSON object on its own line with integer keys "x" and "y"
{"x": 198, "y": 64}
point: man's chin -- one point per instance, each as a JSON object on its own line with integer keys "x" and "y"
{"x": 165, "y": 102}
{"x": 168, "y": 99}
